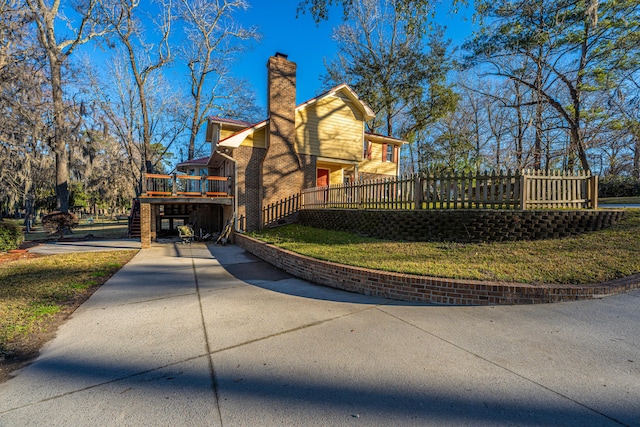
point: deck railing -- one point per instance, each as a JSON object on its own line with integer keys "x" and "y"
{"x": 174, "y": 185}
{"x": 519, "y": 190}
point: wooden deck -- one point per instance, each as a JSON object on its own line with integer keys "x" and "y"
{"x": 172, "y": 187}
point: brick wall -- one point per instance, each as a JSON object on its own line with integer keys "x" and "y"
{"x": 145, "y": 225}
{"x": 267, "y": 176}
{"x": 282, "y": 174}
{"x": 409, "y": 287}
{"x": 250, "y": 195}
{"x": 461, "y": 225}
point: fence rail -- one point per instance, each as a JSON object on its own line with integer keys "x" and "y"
{"x": 520, "y": 190}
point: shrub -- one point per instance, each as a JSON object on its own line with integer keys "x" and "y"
{"x": 619, "y": 186}
{"x": 58, "y": 222}
{"x": 10, "y": 235}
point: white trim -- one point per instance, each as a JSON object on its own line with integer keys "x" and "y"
{"x": 384, "y": 139}
{"x": 336, "y": 161}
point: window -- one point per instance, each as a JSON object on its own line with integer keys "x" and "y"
{"x": 366, "y": 152}
{"x": 389, "y": 153}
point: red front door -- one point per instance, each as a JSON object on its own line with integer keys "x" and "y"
{"x": 322, "y": 177}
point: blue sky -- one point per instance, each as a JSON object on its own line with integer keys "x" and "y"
{"x": 306, "y": 43}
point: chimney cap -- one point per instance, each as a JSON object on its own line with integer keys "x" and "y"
{"x": 281, "y": 55}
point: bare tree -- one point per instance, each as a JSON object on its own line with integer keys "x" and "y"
{"x": 48, "y": 18}
{"x": 116, "y": 101}
{"x": 214, "y": 40}
{"x": 144, "y": 58}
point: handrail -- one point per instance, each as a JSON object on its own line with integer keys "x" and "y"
{"x": 174, "y": 185}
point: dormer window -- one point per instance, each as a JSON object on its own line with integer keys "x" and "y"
{"x": 389, "y": 153}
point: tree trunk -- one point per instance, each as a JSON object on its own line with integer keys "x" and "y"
{"x": 537, "y": 146}
{"x": 636, "y": 159}
{"x": 194, "y": 126}
{"x": 59, "y": 145}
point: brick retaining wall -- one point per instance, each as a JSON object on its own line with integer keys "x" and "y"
{"x": 468, "y": 226}
{"x": 409, "y": 287}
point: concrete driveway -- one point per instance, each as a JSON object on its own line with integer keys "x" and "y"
{"x": 195, "y": 335}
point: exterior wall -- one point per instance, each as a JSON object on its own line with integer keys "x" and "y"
{"x": 336, "y": 175}
{"x": 207, "y": 216}
{"x": 250, "y": 184}
{"x": 225, "y": 133}
{"x": 332, "y": 128}
{"x": 257, "y": 139}
{"x": 375, "y": 166}
{"x": 408, "y": 287}
{"x": 145, "y": 225}
{"x": 283, "y": 169}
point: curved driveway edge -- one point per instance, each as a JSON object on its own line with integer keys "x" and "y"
{"x": 196, "y": 335}
{"x": 408, "y": 287}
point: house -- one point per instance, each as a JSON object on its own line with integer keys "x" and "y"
{"x": 319, "y": 142}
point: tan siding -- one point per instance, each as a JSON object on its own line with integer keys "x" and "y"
{"x": 335, "y": 172}
{"x": 225, "y": 133}
{"x": 376, "y": 165}
{"x": 256, "y": 139}
{"x": 330, "y": 128}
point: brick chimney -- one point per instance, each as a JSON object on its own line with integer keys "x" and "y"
{"x": 282, "y": 169}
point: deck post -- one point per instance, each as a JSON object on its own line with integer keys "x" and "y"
{"x": 174, "y": 187}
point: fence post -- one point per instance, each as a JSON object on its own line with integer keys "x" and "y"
{"x": 523, "y": 191}
{"x": 593, "y": 185}
{"x": 174, "y": 187}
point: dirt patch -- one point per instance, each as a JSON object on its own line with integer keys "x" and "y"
{"x": 16, "y": 256}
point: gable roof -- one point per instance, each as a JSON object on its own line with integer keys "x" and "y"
{"x": 234, "y": 141}
{"x": 194, "y": 162}
{"x": 224, "y": 120}
{"x": 364, "y": 108}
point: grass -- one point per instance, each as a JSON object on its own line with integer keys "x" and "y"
{"x": 101, "y": 228}
{"x": 34, "y": 291}
{"x": 619, "y": 200}
{"x": 590, "y": 258}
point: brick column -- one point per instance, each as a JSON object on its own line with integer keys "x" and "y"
{"x": 145, "y": 225}
{"x": 282, "y": 169}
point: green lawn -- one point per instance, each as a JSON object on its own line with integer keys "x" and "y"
{"x": 101, "y": 228}
{"x": 34, "y": 291}
{"x": 619, "y": 200}
{"x": 590, "y": 258}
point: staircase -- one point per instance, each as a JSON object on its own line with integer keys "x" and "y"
{"x": 134, "y": 219}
